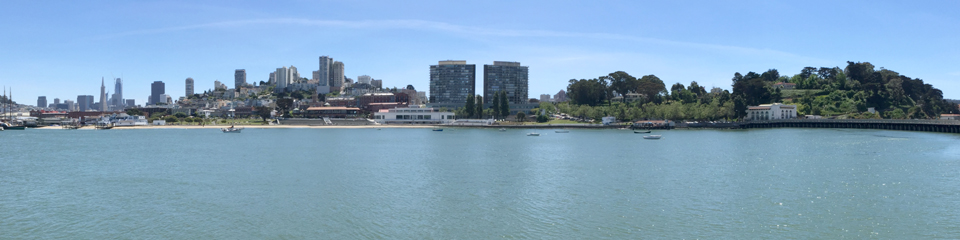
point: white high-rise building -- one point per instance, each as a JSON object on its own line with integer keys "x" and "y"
{"x": 364, "y": 79}
{"x": 284, "y": 77}
{"x": 189, "y": 87}
{"x": 324, "y": 74}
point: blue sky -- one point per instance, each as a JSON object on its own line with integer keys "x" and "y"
{"x": 62, "y": 49}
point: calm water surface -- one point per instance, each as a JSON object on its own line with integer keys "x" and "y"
{"x": 478, "y": 184}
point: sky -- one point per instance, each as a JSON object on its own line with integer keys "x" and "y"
{"x": 61, "y": 49}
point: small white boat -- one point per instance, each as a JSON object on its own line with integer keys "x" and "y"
{"x": 503, "y": 129}
{"x": 231, "y": 129}
{"x": 652, "y": 137}
{"x": 561, "y": 131}
{"x": 533, "y": 134}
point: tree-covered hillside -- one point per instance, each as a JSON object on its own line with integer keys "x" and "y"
{"x": 827, "y": 91}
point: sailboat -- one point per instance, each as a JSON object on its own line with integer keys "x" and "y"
{"x": 10, "y": 123}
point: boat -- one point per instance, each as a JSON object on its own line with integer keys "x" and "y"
{"x": 635, "y": 131}
{"x": 231, "y": 129}
{"x": 8, "y": 126}
{"x": 104, "y": 125}
{"x": 652, "y": 137}
{"x": 561, "y": 131}
{"x": 503, "y": 129}
{"x": 533, "y": 134}
{"x": 438, "y": 129}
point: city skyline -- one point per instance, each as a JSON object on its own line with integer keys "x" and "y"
{"x": 67, "y": 46}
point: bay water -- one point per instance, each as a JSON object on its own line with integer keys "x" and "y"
{"x": 465, "y": 183}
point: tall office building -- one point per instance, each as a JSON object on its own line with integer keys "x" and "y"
{"x": 131, "y": 102}
{"x": 452, "y": 81}
{"x": 116, "y": 100}
{"x": 103, "y": 96}
{"x": 85, "y": 102}
{"x": 282, "y": 78}
{"x": 239, "y": 78}
{"x": 70, "y": 106}
{"x": 336, "y": 74}
{"x": 157, "y": 88}
{"x": 189, "y": 87}
{"x": 505, "y": 76}
{"x": 42, "y": 102}
{"x": 323, "y": 74}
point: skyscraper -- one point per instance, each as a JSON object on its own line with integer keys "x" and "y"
{"x": 70, "y": 106}
{"x": 452, "y": 81}
{"x": 116, "y": 101}
{"x": 189, "y": 86}
{"x": 103, "y": 96}
{"x": 239, "y": 78}
{"x": 505, "y": 76}
{"x": 85, "y": 102}
{"x": 157, "y": 88}
{"x": 280, "y": 76}
{"x": 323, "y": 73}
{"x": 336, "y": 74}
{"x": 42, "y": 102}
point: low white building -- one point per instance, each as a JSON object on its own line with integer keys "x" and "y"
{"x": 771, "y": 112}
{"x": 131, "y": 121}
{"x": 608, "y": 120}
{"x": 412, "y": 115}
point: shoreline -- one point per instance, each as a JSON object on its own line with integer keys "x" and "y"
{"x": 249, "y": 126}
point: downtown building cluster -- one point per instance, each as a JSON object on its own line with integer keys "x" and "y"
{"x": 327, "y": 93}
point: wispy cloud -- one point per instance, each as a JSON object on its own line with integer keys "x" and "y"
{"x": 421, "y": 25}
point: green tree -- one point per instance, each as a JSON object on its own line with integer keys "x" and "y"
{"x": 651, "y": 87}
{"x": 134, "y": 112}
{"x": 180, "y": 115}
{"x": 495, "y": 101}
{"x": 170, "y": 119}
{"x": 622, "y": 83}
{"x": 521, "y": 116}
{"x": 263, "y": 112}
{"x": 470, "y": 106}
{"x": 284, "y": 105}
{"x": 504, "y": 104}
{"x": 479, "y": 104}
{"x": 542, "y": 118}
{"x": 590, "y": 92}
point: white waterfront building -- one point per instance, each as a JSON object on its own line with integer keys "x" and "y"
{"x": 771, "y": 112}
{"x": 413, "y": 115}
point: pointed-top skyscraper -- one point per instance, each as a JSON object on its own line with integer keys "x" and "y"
{"x": 103, "y": 95}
